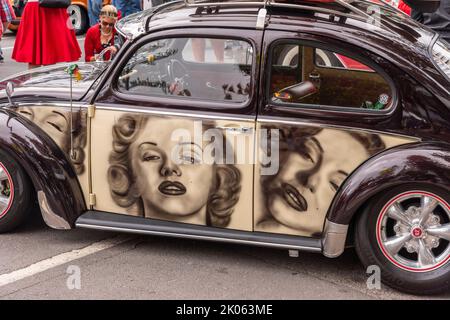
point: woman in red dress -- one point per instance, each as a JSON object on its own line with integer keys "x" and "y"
{"x": 45, "y": 36}
{"x": 6, "y": 15}
{"x": 101, "y": 36}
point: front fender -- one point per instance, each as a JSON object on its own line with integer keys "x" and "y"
{"x": 424, "y": 162}
{"x": 54, "y": 179}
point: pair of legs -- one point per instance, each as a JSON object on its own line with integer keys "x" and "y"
{"x": 198, "y": 48}
{"x": 94, "y": 8}
{"x": 127, "y": 7}
{"x": 3, "y": 28}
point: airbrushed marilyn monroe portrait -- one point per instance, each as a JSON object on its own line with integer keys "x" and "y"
{"x": 313, "y": 163}
{"x": 149, "y": 179}
{"x": 56, "y": 123}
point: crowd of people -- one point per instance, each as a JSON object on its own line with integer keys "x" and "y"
{"x": 44, "y": 36}
{"x": 42, "y": 28}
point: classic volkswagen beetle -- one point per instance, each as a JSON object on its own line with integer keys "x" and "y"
{"x": 311, "y": 126}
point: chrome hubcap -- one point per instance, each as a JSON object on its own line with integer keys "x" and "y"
{"x": 6, "y": 190}
{"x": 413, "y": 231}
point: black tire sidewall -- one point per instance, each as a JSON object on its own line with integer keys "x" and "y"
{"x": 84, "y": 22}
{"x": 22, "y": 199}
{"x": 429, "y": 282}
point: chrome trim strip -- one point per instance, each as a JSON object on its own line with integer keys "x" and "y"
{"x": 197, "y": 237}
{"x": 330, "y": 126}
{"x": 89, "y": 155}
{"x": 333, "y": 240}
{"x": 49, "y": 216}
{"x": 212, "y": 116}
{"x": 52, "y": 104}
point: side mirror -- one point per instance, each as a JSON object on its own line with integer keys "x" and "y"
{"x": 296, "y": 92}
{"x": 9, "y": 92}
{"x": 424, "y": 6}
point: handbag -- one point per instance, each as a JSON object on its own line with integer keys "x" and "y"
{"x": 54, "y": 3}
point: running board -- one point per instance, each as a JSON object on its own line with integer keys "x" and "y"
{"x": 115, "y": 222}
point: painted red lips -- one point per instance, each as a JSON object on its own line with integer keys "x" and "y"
{"x": 294, "y": 198}
{"x": 172, "y": 188}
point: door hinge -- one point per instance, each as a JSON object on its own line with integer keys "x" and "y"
{"x": 91, "y": 110}
{"x": 92, "y": 199}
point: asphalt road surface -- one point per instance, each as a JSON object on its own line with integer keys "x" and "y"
{"x": 37, "y": 262}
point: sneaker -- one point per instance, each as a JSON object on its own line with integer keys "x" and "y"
{"x": 1, "y": 56}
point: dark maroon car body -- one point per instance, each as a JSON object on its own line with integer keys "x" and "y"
{"x": 400, "y": 49}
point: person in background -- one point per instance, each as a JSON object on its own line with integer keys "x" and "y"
{"x": 94, "y": 8}
{"x": 44, "y": 37}
{"x": 438, "y": 21}
{"x": 101, "y": 35}
{"x": 127, "y": 7}
{"x": 6, "y": 15}
{"x": 404, "y": 7}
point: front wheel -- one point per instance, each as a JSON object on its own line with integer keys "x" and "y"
{"x": 15, "y": 194}
{"x": 406, "y": 232}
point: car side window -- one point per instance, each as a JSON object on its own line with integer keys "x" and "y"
{"x": 198, "y": 68}
{"x": 304, "y": 75}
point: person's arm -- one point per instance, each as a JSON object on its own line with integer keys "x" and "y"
{"x": 89, "y": 45}
{"x": 118, "y": 41}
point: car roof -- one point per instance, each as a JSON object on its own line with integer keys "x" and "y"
{"x": 365, "y": 17}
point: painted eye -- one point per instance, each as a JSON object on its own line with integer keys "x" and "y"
{"x": 189, "y": 158}
{"x": 150, "y": 157}
{"x": 336, "y": 179}
{"x": 26, "y": 112}
{"x": 54, "y": 125}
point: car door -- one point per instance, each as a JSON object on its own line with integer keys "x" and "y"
{"x": 173, "y": 135}
{"x": 315, "y": 117}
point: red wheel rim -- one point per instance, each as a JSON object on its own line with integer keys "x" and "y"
{"x": 417, "y": 230}
{"x": 6, "y": 191}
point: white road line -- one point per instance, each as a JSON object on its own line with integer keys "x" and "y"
{"x": 61, "y": 259}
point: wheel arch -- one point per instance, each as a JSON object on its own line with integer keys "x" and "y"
{"x": 59, "y": 193}
{"x": 421, "y": 162}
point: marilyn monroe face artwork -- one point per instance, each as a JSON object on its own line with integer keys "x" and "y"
{"x": 146, "y": 174}
{"x": 56, "y": 123}
{"x": 313, "y": 164}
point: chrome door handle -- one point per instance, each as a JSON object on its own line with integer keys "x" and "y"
{"x": 236, "y": 130}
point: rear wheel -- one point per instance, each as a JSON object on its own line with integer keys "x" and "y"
{"x": 79, "y": 18}
{"x": 406, "y": 232}
{"x": 15, "y": 194}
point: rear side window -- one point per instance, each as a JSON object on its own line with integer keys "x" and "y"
{"x": 197, "y": 68}
{"x": 304, "y": 75}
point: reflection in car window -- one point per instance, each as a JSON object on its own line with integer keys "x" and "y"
{"x": 303, "y": 75}
{"x": 218, "y": 51}
{"x": 199, "y": 68}
{"x": 328, "y": 59}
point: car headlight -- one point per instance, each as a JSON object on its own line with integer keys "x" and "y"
{"x": 441, "y": 55}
